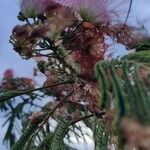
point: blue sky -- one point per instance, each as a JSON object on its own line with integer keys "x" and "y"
{"x": 9, "y": 59}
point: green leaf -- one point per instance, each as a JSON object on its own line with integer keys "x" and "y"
{"x": 27, "y": 134}
{"x": 60, "y": 132}
{"x": 101, "y": 137}
{"x": 128, "y": 89}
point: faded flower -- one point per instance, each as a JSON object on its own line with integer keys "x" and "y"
{"x": 135, "y": 134}
{"x": 32, "y": 8}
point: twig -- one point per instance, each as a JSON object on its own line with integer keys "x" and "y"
{"x": 12, "y": 94}
{"x": 128, "y": 13}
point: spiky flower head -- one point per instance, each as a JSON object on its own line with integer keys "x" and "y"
{"x": 103, "y": 11}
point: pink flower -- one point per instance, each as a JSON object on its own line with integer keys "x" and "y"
{"x": 66, "y": 3}
{"x": 40, "y": 58}
{"x": 27, "y": 83}
{"x": 8, "y": 74}
{"x": 102, "y": 11}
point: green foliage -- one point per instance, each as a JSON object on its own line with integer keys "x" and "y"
{"x": 126, "y": 84}
{"x": 26, "y": 135}
{"x": 140, "y": 57}
{"x": 59, "y": 134}
{"x": 101, "y": 136}
{"x": 143, "y": 46}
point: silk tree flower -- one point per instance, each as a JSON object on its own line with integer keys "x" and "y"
{"x": 8, "y": 74}
{"x": 31, "y": 8}
{"x": 60, "y": 18}
{"x": 101, "y": 11}
{"x": 66, "y": 3}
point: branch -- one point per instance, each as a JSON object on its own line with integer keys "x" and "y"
{"x": 128, "y": 13}
{"x": 11, "y": 94}
{"x": 33, "y": 127}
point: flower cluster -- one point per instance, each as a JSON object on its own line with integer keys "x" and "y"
{"x": 102, "y": 11}
{"x": 71, "y": 37}
{"x": 31, "y": 8}
{"x": 9, "y": 82}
